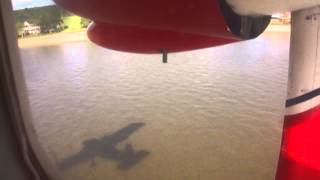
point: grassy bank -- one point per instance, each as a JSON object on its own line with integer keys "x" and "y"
{"x": 73, "y": 23}
{"x": 74, "y": 32}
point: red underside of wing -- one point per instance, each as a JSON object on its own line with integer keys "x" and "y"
{"x": 145, "y": 26}
{"x": 135, "y": 39}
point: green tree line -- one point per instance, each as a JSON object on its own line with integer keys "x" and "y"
{"x": 47, "y": 17}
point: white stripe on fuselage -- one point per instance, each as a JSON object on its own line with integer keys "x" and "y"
{"x": 303, "y": 107}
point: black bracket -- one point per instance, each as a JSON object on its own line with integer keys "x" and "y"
{"x": 164, "y": 55}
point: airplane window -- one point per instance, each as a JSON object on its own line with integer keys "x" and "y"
{"x": 98, "y": 113}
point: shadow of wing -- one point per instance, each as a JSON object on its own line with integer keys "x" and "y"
{"x": 132, "y": 159}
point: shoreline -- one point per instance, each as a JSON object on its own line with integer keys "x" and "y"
{"x": 52, "y": 39}
{"x": 68, "y": 37}
{"x": 278, "y": 28}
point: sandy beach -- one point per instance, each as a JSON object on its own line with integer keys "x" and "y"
{"x": 65, "y": 37}
{"x": 52, "y": 39}
{"x": 278, "y": 28}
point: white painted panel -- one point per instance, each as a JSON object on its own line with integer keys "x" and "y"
{"x": 248, "y": 7}
{"x": 304, "y": 71}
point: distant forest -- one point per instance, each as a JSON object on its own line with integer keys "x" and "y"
{"x": 46, "y": 17}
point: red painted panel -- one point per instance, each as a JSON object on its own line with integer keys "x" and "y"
{"x": 300, "y": 151}
{"x": 146, "y": 26}
{"x": 134, "y": 39}
{"x": 202, "y": 17}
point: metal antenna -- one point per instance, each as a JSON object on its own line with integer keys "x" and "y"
{"x": 164, "y": 55}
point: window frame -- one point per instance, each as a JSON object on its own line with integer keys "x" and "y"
{"x": 20, "y": 146}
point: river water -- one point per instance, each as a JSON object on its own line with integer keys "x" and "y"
{"x": 208, "y": 114}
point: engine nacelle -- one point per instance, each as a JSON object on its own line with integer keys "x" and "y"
{"x": 151, "y": 26}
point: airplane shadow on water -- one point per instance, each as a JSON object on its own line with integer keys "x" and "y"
{"x": 105, "y": 147}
